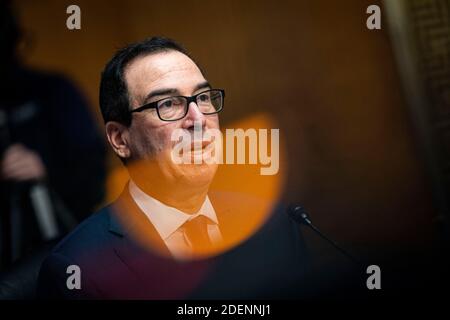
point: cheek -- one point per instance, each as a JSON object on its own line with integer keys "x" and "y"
{"x": 160, "y": 138}
{"x": 150, "y": 137}
{"x": 212, "y": 122}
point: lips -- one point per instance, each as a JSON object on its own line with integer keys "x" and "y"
{"x": 199, "y": 145}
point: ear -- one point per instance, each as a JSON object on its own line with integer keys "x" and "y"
{"x": 118, "y": 134}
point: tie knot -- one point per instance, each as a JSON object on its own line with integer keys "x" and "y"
{"x": 197, "y": 221}
{"x": 197, "y": 232}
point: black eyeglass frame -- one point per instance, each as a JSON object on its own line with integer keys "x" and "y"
{"x": 154, "y": 104}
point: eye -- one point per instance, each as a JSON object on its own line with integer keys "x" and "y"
{"x": 204, "y": 97}
{"x": 166, "y": 103}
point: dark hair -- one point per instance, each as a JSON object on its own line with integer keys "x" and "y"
{"x": 114, "y": 100}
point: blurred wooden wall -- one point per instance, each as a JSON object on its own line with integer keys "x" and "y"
{"x": 330, "y": 84}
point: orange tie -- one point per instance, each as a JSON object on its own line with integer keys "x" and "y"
{"x": 197, "y": 233}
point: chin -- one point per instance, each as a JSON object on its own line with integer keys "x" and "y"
{"x": 195, "y": 174}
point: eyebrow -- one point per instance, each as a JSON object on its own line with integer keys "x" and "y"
{"x": 166, "y": 91}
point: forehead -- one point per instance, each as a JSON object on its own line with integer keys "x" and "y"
{"x": 161, "y": 70}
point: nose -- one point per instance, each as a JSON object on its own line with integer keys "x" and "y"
{"x": 193, "y": 115}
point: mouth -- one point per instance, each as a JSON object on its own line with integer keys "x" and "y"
{"x": 200, "y": 145}
{"x": 198, "y": 148}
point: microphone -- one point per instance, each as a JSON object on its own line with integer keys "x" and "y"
{"x": 300, "y": 216}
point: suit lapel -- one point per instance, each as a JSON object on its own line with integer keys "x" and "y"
{"x": 154, "y": 273}
{"x": 128, "y": 221}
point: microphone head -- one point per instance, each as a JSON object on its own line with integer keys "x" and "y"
{"x": 298, "y": 214}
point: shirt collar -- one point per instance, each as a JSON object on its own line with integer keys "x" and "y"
{"x": 164, "y": 218}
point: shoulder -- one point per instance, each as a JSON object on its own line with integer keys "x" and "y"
{"x": 38, "y": 79}
{"x": 249, "y": 207}
{"x": 90, "y": 235}
{"x": 253, "y": 218}
{"x": 232, "y": 203}
{"x": 82, "y": 248}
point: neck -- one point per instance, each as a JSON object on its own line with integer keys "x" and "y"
{"x": 188, "y": 199}
{"x": 184, "y": 188}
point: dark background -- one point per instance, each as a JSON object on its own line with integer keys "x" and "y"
{"x": 312, "y": 68}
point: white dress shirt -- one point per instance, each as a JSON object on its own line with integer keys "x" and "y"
{"x": 168, "y": 221}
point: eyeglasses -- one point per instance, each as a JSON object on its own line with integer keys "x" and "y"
{"x": 176, "y": 108}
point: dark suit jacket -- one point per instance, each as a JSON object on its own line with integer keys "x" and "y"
{"x": 114, "y": 265}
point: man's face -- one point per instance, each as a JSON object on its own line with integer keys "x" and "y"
{"x": 158, "y": 76}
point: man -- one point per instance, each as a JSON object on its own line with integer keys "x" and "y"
{"x": 167, "y": 236}
{"x": 45, "y": 128}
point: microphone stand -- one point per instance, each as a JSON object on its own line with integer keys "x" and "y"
{"x": 299, "y": 215}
